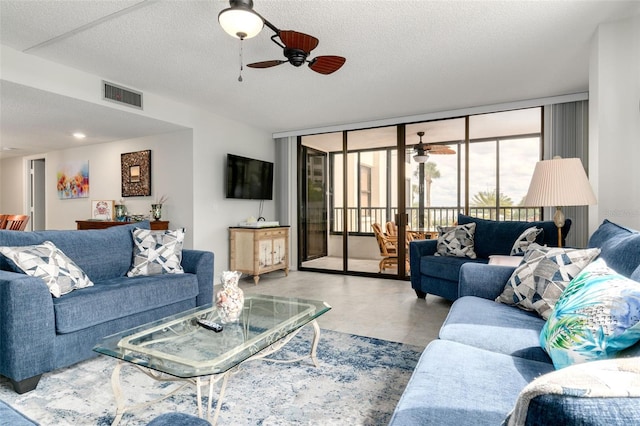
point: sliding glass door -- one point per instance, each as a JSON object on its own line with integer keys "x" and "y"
{"x": 365, "y": 194}
{"x": 313, "y": 209}
{"x": 361, "y": 195}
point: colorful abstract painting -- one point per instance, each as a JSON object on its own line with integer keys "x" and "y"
{"x": 73, "y": 180}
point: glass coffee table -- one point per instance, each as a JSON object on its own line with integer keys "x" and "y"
{"x": 178, "y": 349}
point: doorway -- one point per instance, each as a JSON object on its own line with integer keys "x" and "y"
{"x": 348, "y": 184}
{"x": 36, "y": 194}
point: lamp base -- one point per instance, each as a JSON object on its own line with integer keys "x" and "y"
{"x": 558, "y": 219}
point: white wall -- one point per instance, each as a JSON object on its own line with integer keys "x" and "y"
{"x": 614, "y": 123}
{"x": 171, "y": 155}
{"x": 212, "y": 138}
{"x": 11, "y": 183}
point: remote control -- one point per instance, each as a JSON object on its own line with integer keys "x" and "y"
{"x": 210, "y": 325}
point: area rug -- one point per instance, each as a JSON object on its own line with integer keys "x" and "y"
{"x": 358, "y": 382}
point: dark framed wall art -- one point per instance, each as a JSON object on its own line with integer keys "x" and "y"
{"x": 136, "y": 173}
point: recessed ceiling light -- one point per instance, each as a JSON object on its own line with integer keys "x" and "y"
{"x": 79, "y": 135}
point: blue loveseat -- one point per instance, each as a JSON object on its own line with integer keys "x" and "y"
{"x": 488, "y": 352}
{"x": 41, "y": 333}
{"x": 439, "y": 275}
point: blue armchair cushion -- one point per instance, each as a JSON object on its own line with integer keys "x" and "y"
{"x": 457, "y": 242}
{"x": 597, "y": 316}
{"x": 543, "y": 275}
{"x": 48, "y": 262}
{"x": 498, "y": 237}
{"x": 156, "y": 252}
{"x": 445, "y": 267}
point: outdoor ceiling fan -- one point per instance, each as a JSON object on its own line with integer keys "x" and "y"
{"x": 423, "y": 150}
{"x": 241, "y": 21}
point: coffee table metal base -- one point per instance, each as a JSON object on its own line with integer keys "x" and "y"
{"x": 210, "y": 381}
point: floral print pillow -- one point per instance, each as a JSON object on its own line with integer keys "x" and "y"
{"x": 597, "y": 316}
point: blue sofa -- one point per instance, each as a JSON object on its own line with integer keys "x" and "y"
{"x": 439, "y": 275}
{"x": 9, "y": 416}
{"x": 488, "y": 352}
{"x": 12, "y": 417}
{"x": 40, "y": 333}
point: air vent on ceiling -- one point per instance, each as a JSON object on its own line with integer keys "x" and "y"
{"x": 121, "y": 95}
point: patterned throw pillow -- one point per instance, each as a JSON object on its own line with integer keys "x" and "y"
{"x": 542, "y": 276}
{"x": 48, "y": 262}
{"x": 597, "y": 316}
{"x": 156, "y": 252}
{"x": 457, "y": 242}
{"x": 525, "y": 239}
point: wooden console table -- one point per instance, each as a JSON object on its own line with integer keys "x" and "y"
{"x": 156, "y": 225}
{"x": 257, "y": 251}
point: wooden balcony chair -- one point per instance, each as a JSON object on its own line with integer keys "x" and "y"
{"x": 392, "y": 230}
{"x": 388, "y": 248}
{"x": 16, "y": 222}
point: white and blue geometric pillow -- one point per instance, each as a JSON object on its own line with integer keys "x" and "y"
{"x": 537, "y": 283}
{"x": 525, "y": 239}
{"x": 48, "y": 262}
{"x": 457, "y": 242}
{"x": 597, "y": 316}
{"x": 156, "y": 252}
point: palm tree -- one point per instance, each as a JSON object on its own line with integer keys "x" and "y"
{"x": 431, "y": 172}
{"x": 488, "y": 199}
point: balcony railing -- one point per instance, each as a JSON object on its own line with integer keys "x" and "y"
{"x": 359, "y": 220}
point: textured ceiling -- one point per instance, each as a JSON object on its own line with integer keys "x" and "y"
{"x": 403, "y": 57}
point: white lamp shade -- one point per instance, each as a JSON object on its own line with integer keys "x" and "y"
{"x": 240, "y": 22}
{"x": 560, "y": 182}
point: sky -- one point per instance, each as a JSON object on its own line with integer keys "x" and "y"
{"x": 517, "y": 162}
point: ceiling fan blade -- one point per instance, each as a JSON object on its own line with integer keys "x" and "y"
{"x": 327, "y": 64}
{"x": 439, "y": 149}
{"x": 296, "y": 40}
{"x": 266, "y": 64}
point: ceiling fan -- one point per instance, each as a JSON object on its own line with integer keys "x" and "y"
{"x": 423, "y": 150}
{"x": 241, "y": 21}
{"x": 296, "y": 48}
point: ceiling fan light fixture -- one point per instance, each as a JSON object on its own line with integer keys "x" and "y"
{"x": 421, "y": 158}
{"x": 421, "y": 154}
{"x": 240, "y": 20}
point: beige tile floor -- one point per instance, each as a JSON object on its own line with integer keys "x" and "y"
{"x": 381, "y": 308}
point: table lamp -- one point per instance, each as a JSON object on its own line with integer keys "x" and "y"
{"x": 559, "y": 182}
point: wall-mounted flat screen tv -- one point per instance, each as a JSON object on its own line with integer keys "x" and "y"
{"x": 248, "y": 178}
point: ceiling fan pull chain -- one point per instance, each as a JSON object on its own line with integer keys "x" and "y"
{"x": 240, "y": 76}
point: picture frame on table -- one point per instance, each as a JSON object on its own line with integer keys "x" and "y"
{"x": 103, "y": 210}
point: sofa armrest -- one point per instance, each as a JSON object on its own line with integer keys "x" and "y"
{"x": 27, "y": 326}
{"x": 482, "y": 280}
{"x": 576, "y": 410}
{"x": 604, "y": 392}
{"x": 200, "y": 263}
{"x": 417, "y": 249}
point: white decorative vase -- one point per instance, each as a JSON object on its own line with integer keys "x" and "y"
{"x": 230, "y": 300}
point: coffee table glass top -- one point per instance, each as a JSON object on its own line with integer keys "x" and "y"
{"x": 177, "y": 345}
